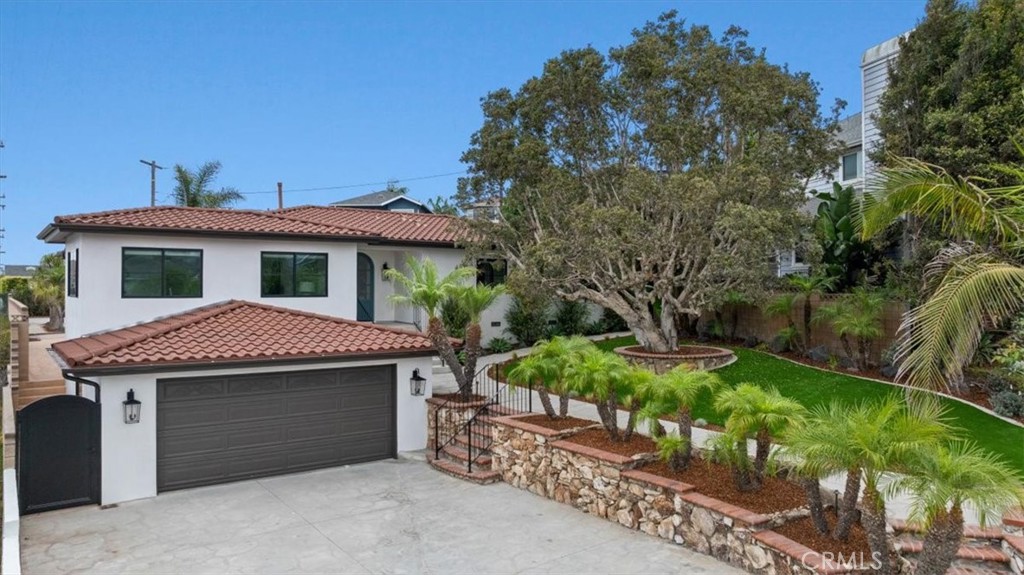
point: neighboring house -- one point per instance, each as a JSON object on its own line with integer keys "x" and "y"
{"x": 393, "y": 200}
{"x": 20, "y": 271}
{"x": 859, "y": 136}
{"x": 259, "y": 342}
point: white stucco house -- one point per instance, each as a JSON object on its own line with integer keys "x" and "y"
{"x": 256, "y": 342}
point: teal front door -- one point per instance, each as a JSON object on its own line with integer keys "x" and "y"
{"x": 364, "y": 288}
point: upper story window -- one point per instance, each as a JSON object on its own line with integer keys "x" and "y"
{"x": 157, "y": 272}
{"x": 289, "y": 274}
{"x": 491, "y": 272}
{"x": 72, "y": 273}
{"x": 851, "y": 167}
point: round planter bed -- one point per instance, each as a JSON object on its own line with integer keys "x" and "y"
{"x": 699, "y": 356}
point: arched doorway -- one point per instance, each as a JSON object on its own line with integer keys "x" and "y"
{"x": 364, "y": 288}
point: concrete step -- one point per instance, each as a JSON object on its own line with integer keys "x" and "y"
{"x": 479, "y": 441}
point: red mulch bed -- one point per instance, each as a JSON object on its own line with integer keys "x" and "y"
{"x": 598, "y": 439}
{"x": 558, "y": 424}
{"x": 803, "y": 532}
{"x": 457, "y": 397}
{"x": 715, "y": 480}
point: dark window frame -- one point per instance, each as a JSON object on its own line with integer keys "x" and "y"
{"x": 295, "y": 277}
{"x": 163, "y": 272}
{"x": 494, "y": 280}
{"x": 71, "y": 272}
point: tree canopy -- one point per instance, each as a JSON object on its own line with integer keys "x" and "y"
{"x": 652, "y": 180}
{"x": 956, "y": 90}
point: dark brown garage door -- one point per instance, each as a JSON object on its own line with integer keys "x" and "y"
{"x": 218, "y": 429}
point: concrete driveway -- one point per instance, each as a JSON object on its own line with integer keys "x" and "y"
{"x": 395, "y": 516}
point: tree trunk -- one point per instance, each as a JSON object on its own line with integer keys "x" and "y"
{"x": 56, "y": 322}
{"x": 941, "y": 542}
{"x": 848, "y": 349}
{"x": 668, "y": 327}
{"x": 742, "y": 472}
{"x": 847, "y": 512}
{"x": 437, "y": 336}
{"x": 865, "y": 352}
{"x": 813, "y": 490}
{"x": 647, "y": 333}
{"x": 563, "y": 405}
{"x": 472, "y": 347}
{"x": 873, "y": 520}
{"x": 634, "y": 406}
{"x": 607, "y": 414}
{"x": 685, "y": 420}
{"x": 763, "y": 442}
{"x": 545, "y": 400}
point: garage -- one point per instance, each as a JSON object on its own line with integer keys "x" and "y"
{"x": 240, "y": 390}
{"x": 219, "y": 429}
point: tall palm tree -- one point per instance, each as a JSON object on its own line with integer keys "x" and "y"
{"x": 605, "y": 377}
{"x": 808, "y": 287}
{"x": 424, "y": 288}
{"x": 972, "y": 288}
{"x": 474, "y": 300}
{"x": 946, "y": 479}
{"x": 866, "y": 440}
{"x": 192, "y": 188}
{"x": 759, "y": 413}
{"x": 546, "y": 366}
{"x": 675, "y": 393}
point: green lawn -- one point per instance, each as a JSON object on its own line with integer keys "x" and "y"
{"x": 813, "y": 387}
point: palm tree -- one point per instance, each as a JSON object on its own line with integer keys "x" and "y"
{"x": 47, "y": 288}
{"x": 675, "y": 393}
{"x": 606, "y": 378}
{"x": 759, "y": 413}
{"x": 546, "y": 366}
{"x": 474, "y": 300}
{"x": 425, "y": 289}
{"x": 782, "y": 306}
{"x": 866, "y": 440}
{"x": 809, "y": 286}
{"x": 192, "y": 189}
{"x": 856, "y": 315}
{"x": 972, "y": 288}
{"x": 943, "y": 481}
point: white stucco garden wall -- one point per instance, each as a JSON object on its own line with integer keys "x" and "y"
{"x": 231, "y": 270}
{"x": 128, "y": 457}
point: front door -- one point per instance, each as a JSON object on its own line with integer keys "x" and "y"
{"x": 364, "y": 288}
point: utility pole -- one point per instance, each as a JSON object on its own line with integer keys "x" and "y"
{"x": 280, "y": 196}
{"x": 152, "y": 179}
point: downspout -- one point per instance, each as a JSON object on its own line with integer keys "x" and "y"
{"x": 79, "y": 382}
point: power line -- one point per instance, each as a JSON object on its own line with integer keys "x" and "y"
{"x": 364, "y": 185}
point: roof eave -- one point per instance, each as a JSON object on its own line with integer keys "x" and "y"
{"x": 92, "y": 228}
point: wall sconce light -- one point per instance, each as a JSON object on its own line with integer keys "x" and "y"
{"x": 132, "y": 408}
{"x": 417, "y": 383}
{"x": 384, "y": 272}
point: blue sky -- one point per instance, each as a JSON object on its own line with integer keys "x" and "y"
{"x": 319, "y": 94}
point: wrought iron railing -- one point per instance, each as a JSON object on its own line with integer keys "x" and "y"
{"x": 499, "y": 399}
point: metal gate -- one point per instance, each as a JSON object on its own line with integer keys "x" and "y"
{"x": 58, "y": 457}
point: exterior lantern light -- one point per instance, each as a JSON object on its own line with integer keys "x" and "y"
{"x": 132, "y": 408}
{"x": 417, "y": 383}
{"x": 384, "y": 272}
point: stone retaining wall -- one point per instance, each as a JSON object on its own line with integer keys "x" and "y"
{"x": 451, "y": 417}
{"x": 609, "y": 486}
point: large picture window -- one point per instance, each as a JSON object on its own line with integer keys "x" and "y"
{"x": 286, "y": 274}
{"x": 155, "y": 272}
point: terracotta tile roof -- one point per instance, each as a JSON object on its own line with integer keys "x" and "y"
{"x": 236, "y": 331}
{"x": 392, "y": 226}
{"x": 179, "y": 218}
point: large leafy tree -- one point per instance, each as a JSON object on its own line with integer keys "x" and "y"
{"x": 976, "y": 282}
{"x": 650, "y": 181}
{"x": 193, "y": 188}
{"x": 955, "y": 90}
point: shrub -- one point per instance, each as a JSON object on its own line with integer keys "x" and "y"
{"x": 527, "y": 321}
{"x": 454, "y": 317}
{"x": 612, "y": 322}
{"x": 998, "y": 381}
{"x": 672, "y": 448}
{"x": 500, "y": 345}
{"x": 570, "y": 318}
{"x": 594, "y": 328}
{"x": 18, "y": 288}
{"x": 1008, "y": 404}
